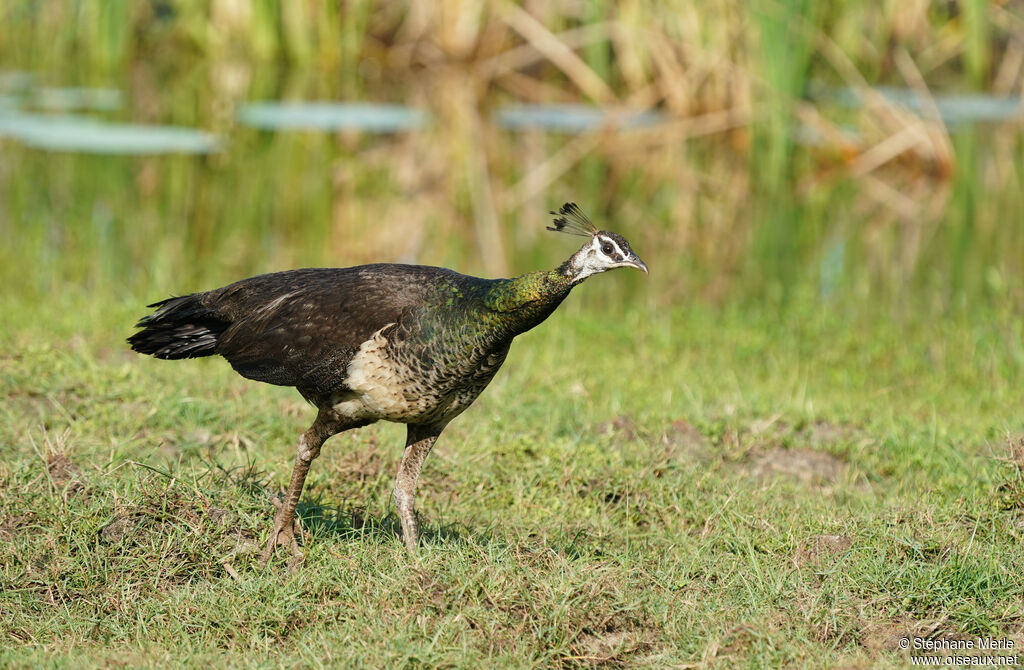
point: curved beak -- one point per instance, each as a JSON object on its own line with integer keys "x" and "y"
{"x": 634, "y": 262}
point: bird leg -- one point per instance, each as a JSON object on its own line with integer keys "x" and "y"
{"x": 417, "y": 445}
{"x": 286, "y": 526}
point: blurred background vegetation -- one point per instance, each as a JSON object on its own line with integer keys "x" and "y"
{"x": 848, "y": 152}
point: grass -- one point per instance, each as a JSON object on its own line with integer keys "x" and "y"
{"x": 712, "y": 488}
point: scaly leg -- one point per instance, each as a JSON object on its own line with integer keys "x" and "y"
{"x": 286, "y": 526}
{"x": 417, "y": 445}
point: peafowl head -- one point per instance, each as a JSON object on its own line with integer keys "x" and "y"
{"x": 603, "y": 251}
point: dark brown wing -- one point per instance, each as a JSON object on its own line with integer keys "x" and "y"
{"x": 301, "y": 328}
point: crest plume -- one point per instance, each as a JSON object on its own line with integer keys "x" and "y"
{"x": 571, "y": 220}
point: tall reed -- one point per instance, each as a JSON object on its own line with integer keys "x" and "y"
{"x": 757, "y": 183}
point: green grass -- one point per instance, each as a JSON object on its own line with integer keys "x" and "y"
{"x": 700, "y": 486}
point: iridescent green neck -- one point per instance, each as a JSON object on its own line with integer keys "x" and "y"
{"x": 526, "y": 291}
{"x": 530, "y": 298}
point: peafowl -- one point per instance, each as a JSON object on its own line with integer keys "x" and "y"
{"x": 405, "y": 343}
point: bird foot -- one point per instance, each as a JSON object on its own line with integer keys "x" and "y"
{"x": 284, "y": 534}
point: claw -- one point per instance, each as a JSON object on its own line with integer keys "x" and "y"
{"x": 284, "y": 536}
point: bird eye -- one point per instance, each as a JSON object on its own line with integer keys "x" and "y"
{"x": 607, "y": 250}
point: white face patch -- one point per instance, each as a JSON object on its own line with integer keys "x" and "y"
{"x": 610, "y": 249}
{"x": 603, "y": 253}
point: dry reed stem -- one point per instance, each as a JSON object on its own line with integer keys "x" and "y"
{"x": 938, "y": 142}
{"x": 544, "y": 174}
{"x": 1008, "y": 74}
{"x": 892, "y": 198}
{"x": 560, "y": 55}
{"x": 681, "y": 130}
{"x": 528, "y": 54}
{"x": 891, "y": 147}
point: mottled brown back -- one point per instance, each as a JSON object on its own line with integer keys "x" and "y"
{"x": 295, "y": 328}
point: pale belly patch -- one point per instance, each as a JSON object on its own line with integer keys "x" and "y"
{"x": 383, "y": 387}
{"x": 377, "y": 384}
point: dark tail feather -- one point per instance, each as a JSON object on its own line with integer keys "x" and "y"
{"x": 181, "y": 328}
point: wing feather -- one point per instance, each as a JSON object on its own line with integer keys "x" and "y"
{"x": 301, "y": 328}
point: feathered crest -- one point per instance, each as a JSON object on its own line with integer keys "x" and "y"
{"x": 571, "y": 220}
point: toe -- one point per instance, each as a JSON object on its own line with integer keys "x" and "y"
{"x": 268, "y": 551}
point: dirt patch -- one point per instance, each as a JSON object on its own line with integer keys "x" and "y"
{"x": 61, "y": 468}
{"x": 64, "y": 476}
{"x": 679, "y": 436}
{"x": 831, "y": 544}
{"x": 611, "y": 648}
{"x": 682, "y": 443}
{"x": 218, "y": 516}
{"x": 206, "y": 534}
{"x": 622, "y": 427}
{"x": 679, "y": 440}
{"x": 823, "y": 433}
{"x": 820, "y": 546}
{"x": 118, "y": 528}
{"x": 805, "y": 466}
{"x": 739, "y": 441}
{"x": 608, "y": 634}
{"x": 11, "y": 525}
{"x": 682, "y": 438}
